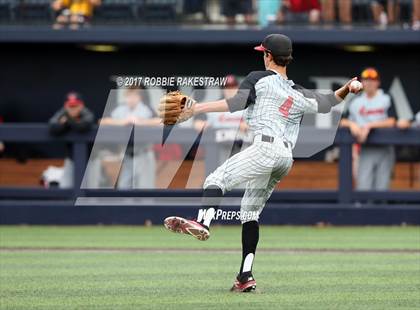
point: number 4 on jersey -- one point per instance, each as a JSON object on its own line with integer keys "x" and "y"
{"x": 285, "y": 106}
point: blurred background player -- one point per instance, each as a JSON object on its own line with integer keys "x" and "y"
{"x": 384, "y": 12}
{"x": 416, "y": 14}
{"x": 371, "y": 109}
{"x": 267, "y": 12}
{"x": 73, "y": 116}
{"x": 232, "y": 8}
{"x": 416, "y": 122}
{"x": 73, "y": 13}
{"x": 139, "y": 163}
{"x": 300, "y": 11}
{"x": 2, "y": 146}
{"x": 330, "y": 7}
{"x": 226, "y": 124}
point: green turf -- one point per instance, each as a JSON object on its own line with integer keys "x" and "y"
{"x": 222, "y": 237}
{"x": 41, "y": 279}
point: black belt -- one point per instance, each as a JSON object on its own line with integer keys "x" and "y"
{"x": 266, "y": 138}
{"x": 270, "y": 139}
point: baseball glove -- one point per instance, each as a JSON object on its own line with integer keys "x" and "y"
{"x": 175, "y": 107}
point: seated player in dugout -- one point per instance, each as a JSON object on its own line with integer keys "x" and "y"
{"x": 274, "y": 107}
{"x": 139, "y": 164}
{"x": 371, "y": 109}
{"x": 74, "y": 116}
{"x": 73, "y": 13}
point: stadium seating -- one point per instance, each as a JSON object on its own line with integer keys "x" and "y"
{"x": 34, "y": 10}
{"x": 157, "y": 11}
{"x": 151, "y": 11}
{"x": 7, "y": 10}
{"x": 117, "y": 10}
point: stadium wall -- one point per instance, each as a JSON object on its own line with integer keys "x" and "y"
{"x": 38, "y": 75}
{"x": 39, "y": 67}
{"x": 65, "y": 213}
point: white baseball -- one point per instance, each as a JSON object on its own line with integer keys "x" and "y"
{"x": 355, "y": 86}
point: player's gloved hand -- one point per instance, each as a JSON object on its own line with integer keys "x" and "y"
{"x": 175, "y": 107}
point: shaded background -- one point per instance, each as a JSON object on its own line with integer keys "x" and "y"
{"x": 35, "y": 77}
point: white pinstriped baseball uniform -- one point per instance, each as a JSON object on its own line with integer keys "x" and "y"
{"x": 275, "y": 110}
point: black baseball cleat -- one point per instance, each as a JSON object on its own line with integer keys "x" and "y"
{"x": 244, "y": 283}
{"x": 190, "y": 227}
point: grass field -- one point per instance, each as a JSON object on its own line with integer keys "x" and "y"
{"x": 114, "y": 267}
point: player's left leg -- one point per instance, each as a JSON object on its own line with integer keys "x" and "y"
{"x": 257, "y": 193}
{"x": 199, "y": 228}
{"x": 255, "y": 164}
{"x": 256, "y": 161}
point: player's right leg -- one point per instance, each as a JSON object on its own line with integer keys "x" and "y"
{"x": 256, "y": 195}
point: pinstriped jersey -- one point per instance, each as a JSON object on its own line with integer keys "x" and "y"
{"x": 275, "y": 105}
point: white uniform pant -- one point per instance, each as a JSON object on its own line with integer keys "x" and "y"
{"x": 261, "y": 166}
{"x": 376, "y": 164}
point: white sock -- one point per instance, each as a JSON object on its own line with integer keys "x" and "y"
{"x": 209, "y": 216}
{"x": 248, "y": 263}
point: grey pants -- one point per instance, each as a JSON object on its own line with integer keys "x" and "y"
{"x": 67, "y": 179}
{"x": 376, "y": 164}
{"x": 261, "y": 166}
{"x": 138, "y": 171}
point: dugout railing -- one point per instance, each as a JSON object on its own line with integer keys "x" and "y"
{"x": 80, "y": 145}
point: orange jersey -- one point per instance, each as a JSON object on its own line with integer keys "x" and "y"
{"x": 79, "y": 7}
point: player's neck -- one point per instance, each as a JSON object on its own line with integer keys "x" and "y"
{"x": 371, "y": 94}
{"x": 278, "y": 69}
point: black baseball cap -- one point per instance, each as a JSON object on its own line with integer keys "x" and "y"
{"x": 276, "y": 44}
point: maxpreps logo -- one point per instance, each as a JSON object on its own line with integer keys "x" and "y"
{"x": 230, "y": 215}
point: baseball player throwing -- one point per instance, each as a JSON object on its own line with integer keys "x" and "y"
{"x": 275, "y": 107}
